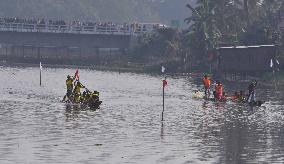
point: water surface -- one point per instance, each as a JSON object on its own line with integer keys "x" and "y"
{"x": 36, "y": 128}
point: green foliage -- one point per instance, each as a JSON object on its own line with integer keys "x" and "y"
{"x": 163, "y": 43}
{"x": 203, "y": 32}
{"x": 236, "y": 22}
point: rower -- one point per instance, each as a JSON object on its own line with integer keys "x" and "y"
{"x": 206, "y": 83}
{"x": 218, "y": 90}
{"x": 94, "y": 98}
{"x": 83, "y": 97}
{"x": 236, "y": 96}
{"x": 77, "y": 97}
{"x": 242, "y": 97}
{"x": 69, "y": 85}
{"x": 251, "y": 89}
{"x": 77, "y": 89}
{"x": 224, "y": 97}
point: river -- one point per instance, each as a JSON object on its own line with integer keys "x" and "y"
{"x": 36, "y": 128}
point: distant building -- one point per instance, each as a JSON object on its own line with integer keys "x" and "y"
{"x": 245, "y": 59}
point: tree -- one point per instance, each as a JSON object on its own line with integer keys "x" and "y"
{"x": 235, "y": 22}
{"x": 203, "y": 32}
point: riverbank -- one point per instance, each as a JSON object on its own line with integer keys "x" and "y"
{"x": 92, "y": 67}
{"x": 266, "y": 80}
{"x": 134, "y": 67}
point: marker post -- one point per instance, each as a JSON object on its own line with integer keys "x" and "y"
{"x": 165, "y": 83}
{"x": 40, "y": 69}
{"x": 163, "y": 102}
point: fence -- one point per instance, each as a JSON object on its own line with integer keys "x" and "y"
{"x": 73, "y": 29}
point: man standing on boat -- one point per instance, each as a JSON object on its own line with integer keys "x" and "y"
{"x": 206, "y": 83}
{"x": 69, "y": 85}
{"x": 77, "y": 91}
{"x": 251, "y": 95}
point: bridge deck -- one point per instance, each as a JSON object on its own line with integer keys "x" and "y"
{"x": 45, "y": 28}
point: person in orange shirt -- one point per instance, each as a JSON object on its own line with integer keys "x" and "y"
{"x": 224, "y": 97}
{"x": 207, "y": 83}
{"x": 236, "y": 96}
{"x": 219, "y": 90}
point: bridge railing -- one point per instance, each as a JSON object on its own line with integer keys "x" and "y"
{"x": 77, "y": 29}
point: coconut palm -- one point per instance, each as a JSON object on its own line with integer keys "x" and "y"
{"x": 203, "y": 29}
{"x": 238, "y": 21}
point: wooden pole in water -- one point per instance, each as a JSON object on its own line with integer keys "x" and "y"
{"x": 163, "y": 102}
{"x": 40, "y": 77}
{"x": 40, "y": 68}
{"x": 164, "y": 85}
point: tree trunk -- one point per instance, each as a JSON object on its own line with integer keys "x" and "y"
{"x": 246, "y": 10}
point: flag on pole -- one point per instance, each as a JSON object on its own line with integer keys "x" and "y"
{"x": 271, "y": 63}
{"x": 40, "y": 66}
{"x": 77, "y": 74}
{"x": 165, "y": 83}
{"x": 163, "y": 69}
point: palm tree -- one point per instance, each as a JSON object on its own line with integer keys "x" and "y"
{"x": 239, "y": 21}
{"x": 202, "y": 23}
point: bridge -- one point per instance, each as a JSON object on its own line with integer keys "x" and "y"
{"x": 133, "y": 29}
{"x": 32, "y": 41}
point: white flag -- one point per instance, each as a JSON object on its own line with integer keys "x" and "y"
{"x": 277, "y": 62}
{"x": 163, "y": 69}
{"x": 40, "y": 66}
{"x": 271, "y": 63}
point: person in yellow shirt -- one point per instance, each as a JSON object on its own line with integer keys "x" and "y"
{"x": 69, "y": 85}
{"x": 78, "y": 87}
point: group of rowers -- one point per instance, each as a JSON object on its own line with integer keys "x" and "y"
{"x": 74, "y": 95}
{"x": 220, "y": 95}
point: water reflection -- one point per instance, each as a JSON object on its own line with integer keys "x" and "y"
{"x": 162, "y": 130}
{"x": 72, "y": 112}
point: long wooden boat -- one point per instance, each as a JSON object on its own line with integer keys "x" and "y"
{"x": 200, "y": 96}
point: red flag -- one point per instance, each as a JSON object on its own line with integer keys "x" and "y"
{"x": 165, "y": 83}
{"x": 77, "y": 74}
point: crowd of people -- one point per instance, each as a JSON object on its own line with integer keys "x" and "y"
{"x": 220, "y": 95}
{"x": 78, "y": 24}
{"x": 75, "y": 96}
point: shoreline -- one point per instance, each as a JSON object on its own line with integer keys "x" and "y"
{"x": 99, "y": 68}
{"x": 140, "y": 70}
{"x": 103, "y": 68}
